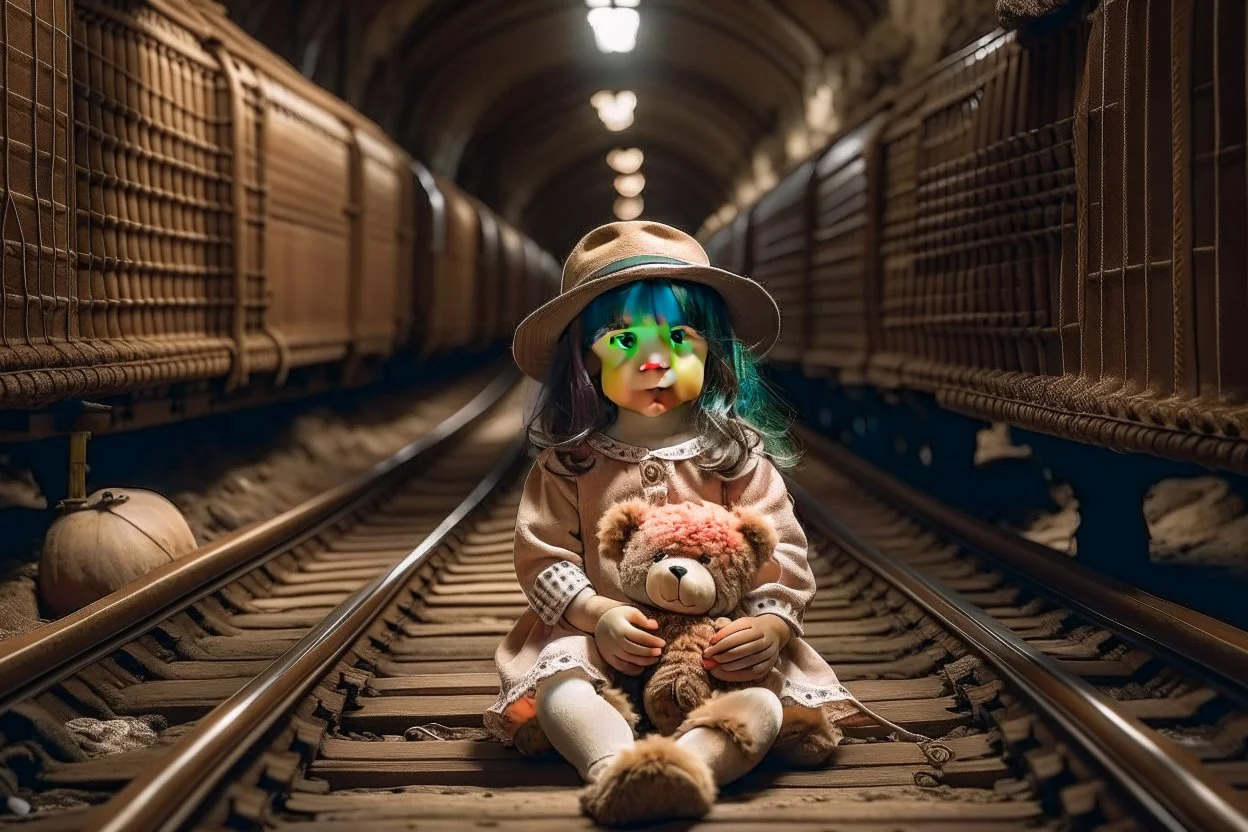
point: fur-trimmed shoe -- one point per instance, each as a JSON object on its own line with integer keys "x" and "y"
{"x": 654, "y": 780}
{"x": 807, "y": 738}
{"x": 722, "y": 712}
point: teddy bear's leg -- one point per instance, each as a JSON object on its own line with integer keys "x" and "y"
{"x": 672, "y": 693}
{"x": 732, "y": 731}
{"x": 581, "y": 724}
{"x": 654, "y": 780}
{"x": 679, "y": 683}
{"x": 807, "y": 737}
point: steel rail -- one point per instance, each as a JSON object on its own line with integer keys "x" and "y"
{"x": 169, "y": 791}
{"x": 34, "y": 661}
{"x": 1212, "y": 649}
{"x": 1162, "y": 779}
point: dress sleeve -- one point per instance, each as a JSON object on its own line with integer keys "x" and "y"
{"x": 547, "y": 547}
{"x": 784, "y": 587}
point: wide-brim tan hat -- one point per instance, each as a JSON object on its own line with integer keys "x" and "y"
{"x": 621, "y": 252}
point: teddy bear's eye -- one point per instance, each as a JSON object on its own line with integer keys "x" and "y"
{"x": 658, "y": 557}
{"x": 705, "y": 560}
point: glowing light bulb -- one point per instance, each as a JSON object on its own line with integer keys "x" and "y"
{"x": 626, "y": 160}
{"x": 798, "y": 144}
{"x": 819, "y": 107}
{"x": 615, "y": 109}
{"x": 615, "y": 25}
{"x": 629, "y": 208}
{"x": 746, "y": 193}
{"x": 630, "y": 184}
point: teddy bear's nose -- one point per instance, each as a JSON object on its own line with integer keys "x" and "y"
{"x": 678, "y": 571}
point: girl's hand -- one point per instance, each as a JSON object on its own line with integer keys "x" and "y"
{"x": 624, "y": 644}
{"x": 747, "y": 649}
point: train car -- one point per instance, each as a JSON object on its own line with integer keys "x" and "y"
{"x": 983, "y": 239}
{"x": 43, "y": 354}
{"x": 190, "y": 218}
{"x": 841, "y": 302}
{"x": 382, "y": 225}
{"x": 548, "y": 282}
{"x": 728, "y": 247}
{"x": 516, "y": 268}
{"x": 1162, "y": 290}
{"x": 780, "y": 244}
{"x": 429, "y": 243}
{"x": 451, "y": 317}
{"x": 158, "y": 297}
{"x": 980, "y": 161}
{"x": 491, "y": 275}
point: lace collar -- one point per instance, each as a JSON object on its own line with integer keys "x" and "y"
{"x": 635, "y": 453}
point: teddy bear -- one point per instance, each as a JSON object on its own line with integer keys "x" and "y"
{"x": 687, "y": 565}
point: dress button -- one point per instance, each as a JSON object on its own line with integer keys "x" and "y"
{"x": 651, "y": 471}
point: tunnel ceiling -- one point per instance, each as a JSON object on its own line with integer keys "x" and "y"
{"x": 496, "y": 93}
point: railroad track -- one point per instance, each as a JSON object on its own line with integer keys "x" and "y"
{"x": 173, "y": 646}
{"x": 1043, "y": 716}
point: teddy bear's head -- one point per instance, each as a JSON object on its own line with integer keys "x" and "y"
{"x": 692, "y": 558}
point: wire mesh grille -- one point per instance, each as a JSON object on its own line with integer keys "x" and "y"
{"x": 1219, "y": 194}
{"x": 781, "y": 237}
{"x": 154, "y": 208}
{"x": 839, "y": 307}
{"x": 37, "y": 271}
{"x": 977, "y": 246}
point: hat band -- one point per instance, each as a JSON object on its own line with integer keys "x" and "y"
{"x": 637, "y": 260}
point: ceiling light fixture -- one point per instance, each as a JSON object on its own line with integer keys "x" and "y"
{"x": 615, "y": 24}
{"x": 819, "y": 107}
{"x": 615, "y": 109}
{"x": 630, "y": 184}
{"x": 629, "y": 208}
{"x": 747, "y": 192}
{"x": 798, "y": 144}
{"x": 626, "y": 160}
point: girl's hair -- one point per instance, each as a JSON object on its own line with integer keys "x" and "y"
{"x": 737, "y": 409}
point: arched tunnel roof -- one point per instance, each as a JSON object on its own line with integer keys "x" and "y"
{"x": 496, "y": 93}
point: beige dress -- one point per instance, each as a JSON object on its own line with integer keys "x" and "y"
{"x": 556, "y": 557}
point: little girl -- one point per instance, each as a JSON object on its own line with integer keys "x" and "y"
{"x": 651, "y": 390}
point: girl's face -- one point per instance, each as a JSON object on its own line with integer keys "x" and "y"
{"x": 650, "y": 365}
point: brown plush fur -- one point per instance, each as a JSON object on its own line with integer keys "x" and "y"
{"x": 654, "y": 780}
{"x": 721, "y": 714}
{"x": 738, "y": 543}
{"x": 679, "y": 682}
{"x": 678, "y": 695}
{"x": 807, "y": 739}
{"x": 729, "y": 546}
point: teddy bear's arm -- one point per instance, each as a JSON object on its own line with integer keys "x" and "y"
{"x": 547, "y": 547}
{"x": 786, "y": 585}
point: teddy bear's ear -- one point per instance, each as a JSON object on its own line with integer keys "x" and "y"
{"x": 617, "y": 525}
{"x": 758, "y": 531}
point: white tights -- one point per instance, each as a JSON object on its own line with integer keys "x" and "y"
{"x": 588, "y": 731}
